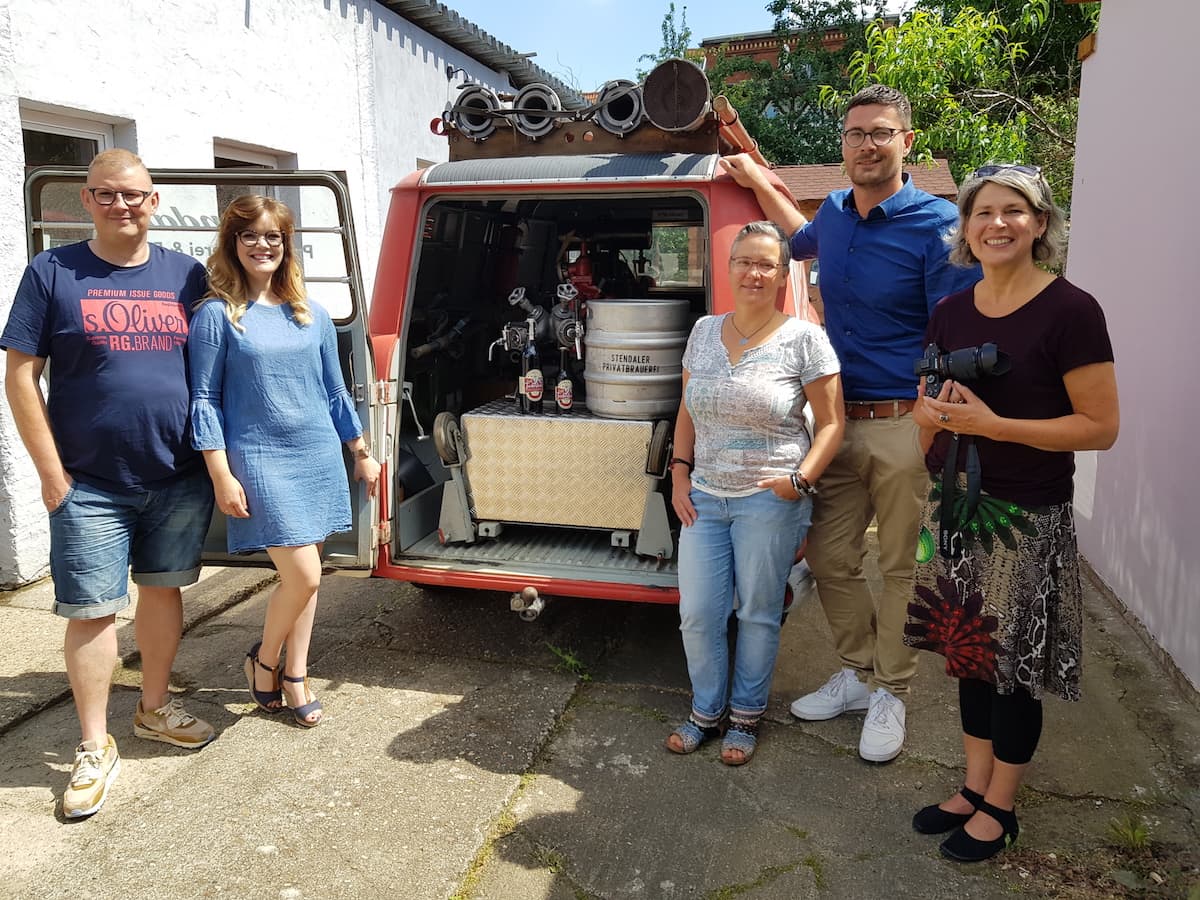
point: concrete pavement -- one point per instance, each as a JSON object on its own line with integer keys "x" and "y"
{"x": 468, "y": 754}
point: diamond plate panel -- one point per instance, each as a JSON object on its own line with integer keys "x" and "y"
{"x": 576, "y": 469}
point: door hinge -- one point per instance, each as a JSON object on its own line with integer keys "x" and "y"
{"x": 382, "y": 533}
{"x": 385, "y": 391}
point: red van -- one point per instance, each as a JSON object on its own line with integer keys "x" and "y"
{"x": 519, "y": 365}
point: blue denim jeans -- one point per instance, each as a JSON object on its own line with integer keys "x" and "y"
{"x": 748, "y": 543}
{"x": 96, "y": 536}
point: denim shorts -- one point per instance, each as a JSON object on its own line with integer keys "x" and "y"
{"x": 97, "y": 536}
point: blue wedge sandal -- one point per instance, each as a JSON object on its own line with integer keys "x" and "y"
{"x": 301, "y": 713}
{"x": 263, "y": 699}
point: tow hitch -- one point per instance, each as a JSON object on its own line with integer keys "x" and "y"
{"x": 527, "y": 603}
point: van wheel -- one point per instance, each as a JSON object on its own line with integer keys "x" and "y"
{"x": 447, "y": 438}
{"x": 659, "y": 449}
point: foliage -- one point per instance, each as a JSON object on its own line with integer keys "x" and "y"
{"x": 781, "y": 105}
{"x": 676, "y": 41}
{"x": 1130, "y": 833}
{"x": 1051, "y": 33}
{"x": 974, "y": 95}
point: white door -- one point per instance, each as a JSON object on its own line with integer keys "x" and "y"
{"x": 188, "y": 215}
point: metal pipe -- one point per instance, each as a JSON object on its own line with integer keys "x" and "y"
{"x": 734, "y": 132}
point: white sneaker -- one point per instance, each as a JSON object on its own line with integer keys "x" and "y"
{"x": 883, "y": 731}
{"x": 841, "y": 693}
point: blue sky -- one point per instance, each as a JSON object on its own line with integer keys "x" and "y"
{"x": 588, "y": 42}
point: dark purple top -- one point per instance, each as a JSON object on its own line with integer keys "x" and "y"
{"x": 1060, "y": 329}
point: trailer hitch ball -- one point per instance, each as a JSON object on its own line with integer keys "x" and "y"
{"x": 528, "y": 603}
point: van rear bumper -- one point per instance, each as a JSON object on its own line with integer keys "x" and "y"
{"x": 511, "y": 581}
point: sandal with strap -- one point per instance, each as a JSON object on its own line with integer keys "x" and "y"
{"x": 301, "y": 713}
{"x": 693, "y": 733}
{"x": 935, "y": 820}
{"x": 263, "y": 699}
{"x": 741, "y": 737}
{"x": 962, "y": 847}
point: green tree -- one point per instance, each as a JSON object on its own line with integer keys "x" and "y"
{"x": 781, "y": 105}
{"x": 974, "y": 97}
{"x": 676, "y": 41}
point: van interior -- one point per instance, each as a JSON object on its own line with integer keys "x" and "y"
{"x": 485, "y": 268}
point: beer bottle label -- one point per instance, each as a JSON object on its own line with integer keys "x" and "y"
{"x": 564, "y": 394}
{"x": 534, "y": 386}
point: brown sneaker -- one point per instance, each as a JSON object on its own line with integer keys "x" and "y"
{"x": 172, "y": 724}
{"x": 96, "y": 767}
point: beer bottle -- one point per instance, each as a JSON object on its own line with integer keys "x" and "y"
{"x": 532, "y": 383}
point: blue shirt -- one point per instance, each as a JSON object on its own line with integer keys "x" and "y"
{"x": 116, "y": 338}
{"x": 880, "y": 279}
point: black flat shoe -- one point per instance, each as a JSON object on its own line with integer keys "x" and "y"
{"x": 964, "y": 848}
{"x": 935, "y": 820}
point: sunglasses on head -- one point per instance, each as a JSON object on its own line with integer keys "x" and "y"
{"x": 985, "y": 171}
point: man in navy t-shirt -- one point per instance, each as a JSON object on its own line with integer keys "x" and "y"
{"x": 884, "y": 266}
{"x": 110, "y": 444}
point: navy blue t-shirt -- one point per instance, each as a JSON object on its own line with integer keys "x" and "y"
{"x": 116, "y": 341}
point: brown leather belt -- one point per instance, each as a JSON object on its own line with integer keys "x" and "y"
{"x": 878, "y": 409}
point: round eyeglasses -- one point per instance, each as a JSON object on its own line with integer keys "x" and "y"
{"x": 854, "y": 137}
{"x": 251, "y": 238}
{"x": 106, "y": 197}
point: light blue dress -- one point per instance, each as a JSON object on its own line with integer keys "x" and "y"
{"x": 272, "y": 396}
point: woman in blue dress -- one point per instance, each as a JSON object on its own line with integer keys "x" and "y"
{"x": 264, "y": 364}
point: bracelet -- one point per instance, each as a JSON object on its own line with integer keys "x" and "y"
{"x": 679, "y": 459}
{"x": 363, "y": 452}
{"x": 801, "y": 486}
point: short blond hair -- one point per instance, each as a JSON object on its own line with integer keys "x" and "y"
{"x": 116, "y": 160}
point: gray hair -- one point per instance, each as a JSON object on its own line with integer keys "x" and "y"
{"x": 1047, "y": 249}
{"x": 766, "y": 229}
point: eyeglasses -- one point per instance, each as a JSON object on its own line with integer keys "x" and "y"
{"x": 132, "y": 199}
{"x": 854, "y": 137}
{"x": 985, "y": 171}
{"x": 742, "y": 265}
{"x": 251, "y": 238}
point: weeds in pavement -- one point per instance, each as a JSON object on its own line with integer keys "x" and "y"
{"x": 569, "y": 662}
{"x": 1130, "y": 833}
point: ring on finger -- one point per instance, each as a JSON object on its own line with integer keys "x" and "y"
{"x": 943, "y": 418}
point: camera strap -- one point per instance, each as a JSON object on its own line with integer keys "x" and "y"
{"x": 948, "y": 523}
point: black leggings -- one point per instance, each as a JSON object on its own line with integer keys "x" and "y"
{"x": 1012, "y": 722}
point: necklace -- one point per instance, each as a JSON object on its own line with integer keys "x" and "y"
{"x": 744, "y": 339}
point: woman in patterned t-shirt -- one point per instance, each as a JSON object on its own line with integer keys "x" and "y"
{"x": 743, "y": 476}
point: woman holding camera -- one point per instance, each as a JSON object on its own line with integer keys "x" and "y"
{"x": 742, "y": 481}
{"x": 997, "y": 586}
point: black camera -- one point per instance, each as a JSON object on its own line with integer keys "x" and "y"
{"x": 967, "y": 364}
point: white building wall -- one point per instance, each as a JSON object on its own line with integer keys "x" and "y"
{"x": 346, "y": 86}
{"x": 1132, "y": 244}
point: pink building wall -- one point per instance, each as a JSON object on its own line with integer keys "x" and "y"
{"x": 1135, "y": 244}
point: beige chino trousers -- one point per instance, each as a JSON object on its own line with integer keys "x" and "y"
{"x": 879, "y": 472}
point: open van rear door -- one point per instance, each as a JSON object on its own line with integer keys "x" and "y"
{"x": 190, "y": 207}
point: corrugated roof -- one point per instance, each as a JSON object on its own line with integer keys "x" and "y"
{"x": 442, "y": 22}
{"x": 814, "y": 183}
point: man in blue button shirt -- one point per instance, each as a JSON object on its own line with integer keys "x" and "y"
{"x": 883, "y": 258}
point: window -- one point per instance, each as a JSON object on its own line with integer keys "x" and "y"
{"x": 54, "y": 139}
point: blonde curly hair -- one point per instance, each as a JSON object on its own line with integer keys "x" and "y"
{"x": 227, "y": 278}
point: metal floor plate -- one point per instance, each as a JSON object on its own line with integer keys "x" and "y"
{"x": 550, "y": 552}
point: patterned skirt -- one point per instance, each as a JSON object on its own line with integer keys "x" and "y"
{"x": 1007, "y": 606}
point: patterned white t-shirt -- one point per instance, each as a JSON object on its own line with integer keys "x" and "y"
{"x": 749, "y": 418}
